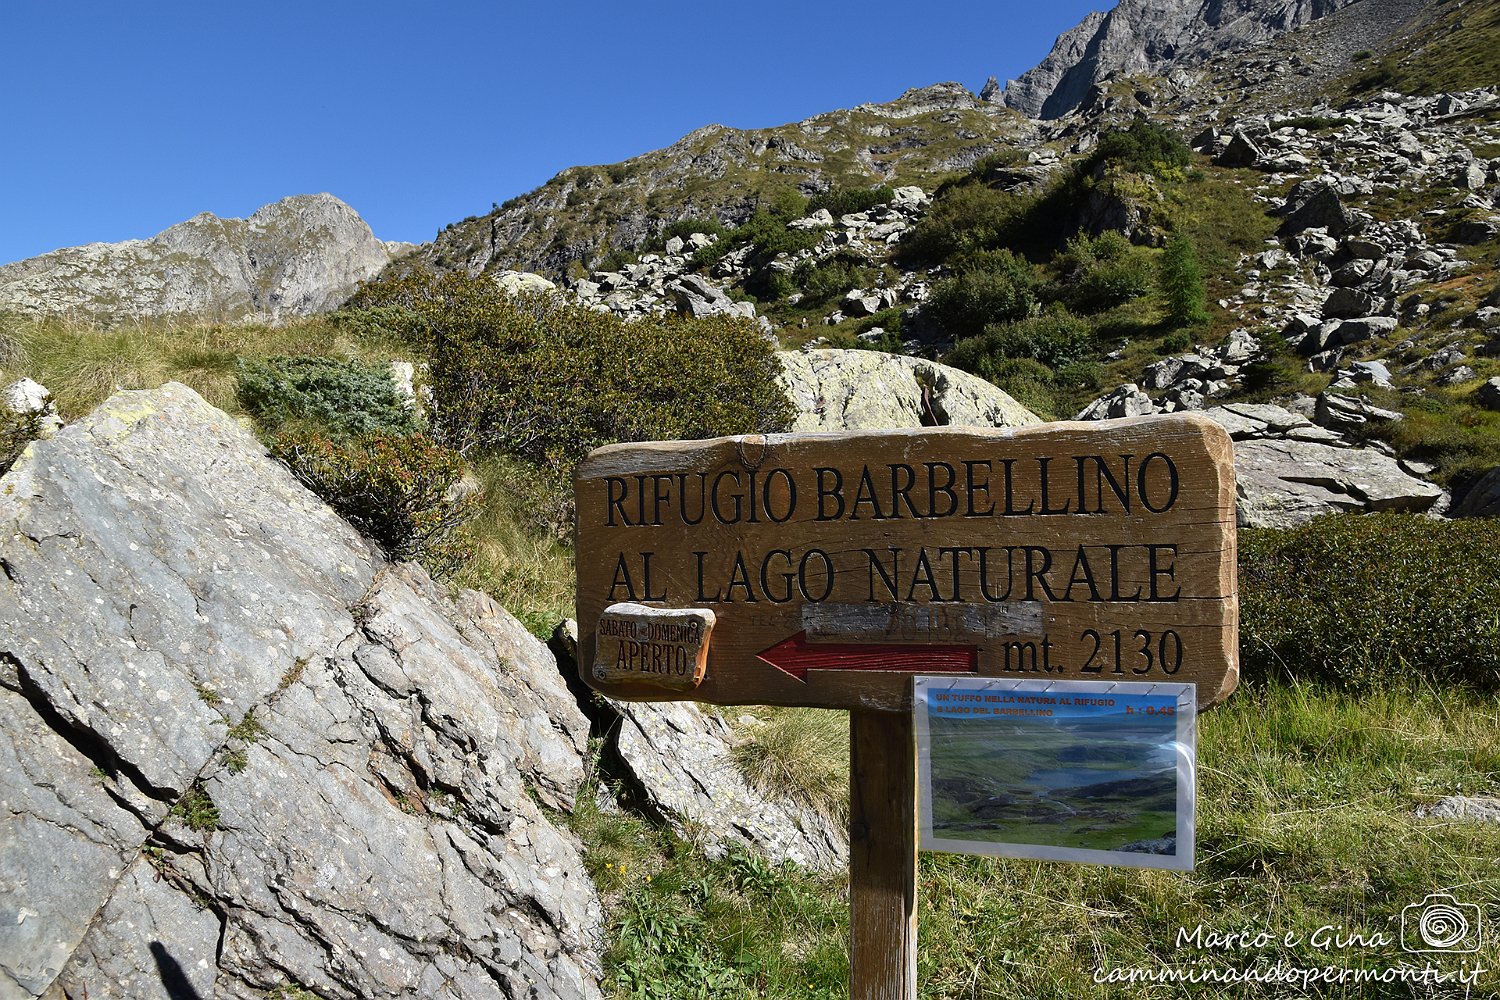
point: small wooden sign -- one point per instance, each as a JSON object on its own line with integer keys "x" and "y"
{"x": 656, "y": 647}
{"x": 837, "y": 565}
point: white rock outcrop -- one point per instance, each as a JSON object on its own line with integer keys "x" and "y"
{"x": 836, "y": 390}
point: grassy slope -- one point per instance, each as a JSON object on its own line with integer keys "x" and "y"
{"x": 525, "y": 569}
{"x": 1306, "y": 819}
{"x": 1458, "y": 49}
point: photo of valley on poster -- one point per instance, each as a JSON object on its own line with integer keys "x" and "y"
{"x": 1089, "y": 771}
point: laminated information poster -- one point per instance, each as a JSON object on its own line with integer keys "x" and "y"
{"x": 1092, "y": 771}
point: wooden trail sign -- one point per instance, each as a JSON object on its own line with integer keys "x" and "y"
{"x": 837, "y": 565}
{"x": 829, "y": 569}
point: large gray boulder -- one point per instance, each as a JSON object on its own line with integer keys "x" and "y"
{"x": 681, "y": 757}
{"x": 1474, "y": 808}
{"x": 522, "y": 282}
{"x": 869, "y": 390}
{"x": 1488, "y": 394}
{"x": 696, "y": 296}
{"x": 1315, "y": 204}
{"x": 241, "y": 753}
{"x": 1482, "y": 499}
{"x": 1289, "y": 470}
{"x": 30, "y": 399}
{"x": 677, "y": 760}
{"x": 300, "y": 255}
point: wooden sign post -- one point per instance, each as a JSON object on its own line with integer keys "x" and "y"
{"x": 828, "y": 569}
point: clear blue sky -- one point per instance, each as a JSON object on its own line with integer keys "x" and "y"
{"x": 121, "y": 119}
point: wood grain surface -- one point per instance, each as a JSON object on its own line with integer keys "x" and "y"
{"x": 652, "y": 647}
{"x": 882, "y": 857}
{"x": 1081, "y": 550}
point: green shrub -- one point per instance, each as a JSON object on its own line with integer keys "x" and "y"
{"x": 1083, "y": 252}
{"x": 1027, "y": 380}
{"x": 992, "y": 287}
{"x": 1076, "y": 383}
{"x": 1448, "y": 427}
{"x": 846, "y": 201}
{"x": 546, "y": 381}
{"x": 767, "y": 233}
{"x": 1054, "y": 338}
{"x": 1143, "y": 148}
{"x": 1378, "y": 76}
{"x": 989, "y": 163}
{"x": 785, "y": 204}
{"x": 17, "y": 430}
{"x": 398, "y": 490}
{"x": 1180, "y": 281}
{"x": 1174, "y": 343}
{"x": 822, "y": 281}
{"x": 344, "y": 397}
{"x": 962, "y": 219}
{"x": 1102, "y": 272}
{"x": 780, "y": 285}
{"x": 390, "y": 324}
{"x": 1370, "y": 600}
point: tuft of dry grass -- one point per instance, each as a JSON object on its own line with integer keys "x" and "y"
{"x": 801, "y": 754}
{"x": 516, "y": 560}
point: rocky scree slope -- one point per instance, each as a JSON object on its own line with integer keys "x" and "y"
{"x": 1149, "y": 37}
{"x": 1382, "y": 298}
{"x": 666, "y": 282}
{"x": 1325, "y": 56}
{"x": 242, "y": 753}
{"x": 301, "y": 255}
{"x": 719, "y": 172}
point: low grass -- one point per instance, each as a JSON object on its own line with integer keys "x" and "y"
{"x": 82, "y": 364}
{"x": 1446, "y": 427}
{"x": 1214, "y": 208}
{"x": 801, "y": 754}
{"x": 685, "y": 925}
{"x": 1458, "y": 50}
{"x": 525, "y": 567}
{"x": 1306, "y": 820}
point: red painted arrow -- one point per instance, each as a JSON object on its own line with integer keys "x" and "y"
{"x": 796, "y": 656}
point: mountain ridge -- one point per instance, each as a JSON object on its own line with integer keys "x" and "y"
{"x": 296, "y": 256}
{"x": 717, "y": 171}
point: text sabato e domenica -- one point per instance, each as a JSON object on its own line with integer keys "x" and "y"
{"x": 968, "y": 491}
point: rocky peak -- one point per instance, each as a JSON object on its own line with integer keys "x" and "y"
{"x": 300, "y": 255}
{"x": 1151, "y": 37}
